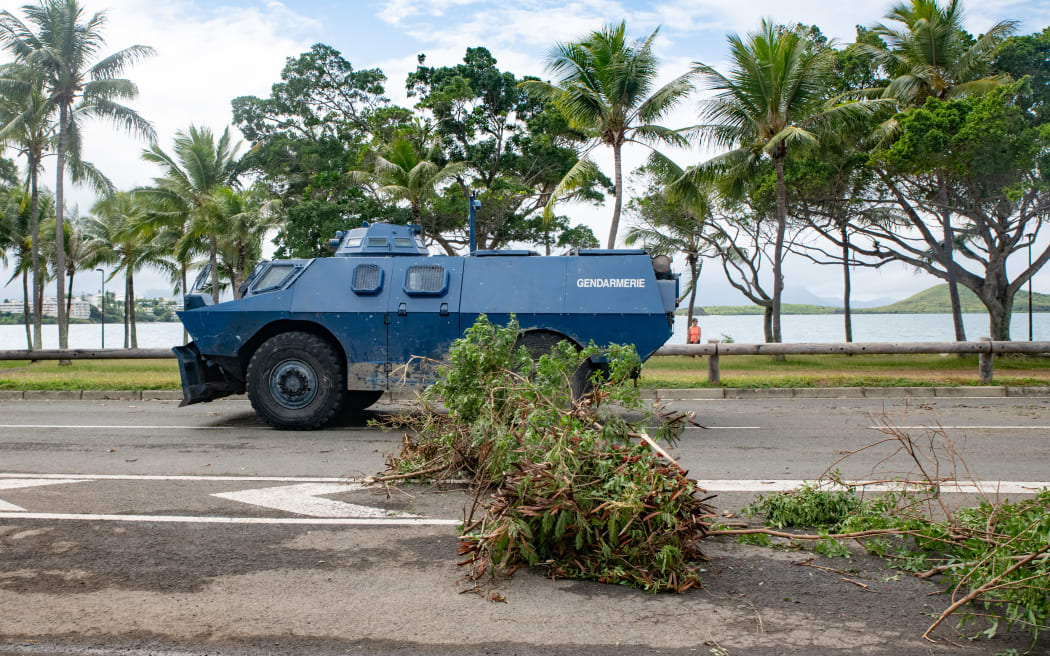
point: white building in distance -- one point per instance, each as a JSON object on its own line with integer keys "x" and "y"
{"x": 77, "y": 310}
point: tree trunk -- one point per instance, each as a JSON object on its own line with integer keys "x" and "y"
{"x": 25, "y": 308}
{"x": 69, "y": 295}
{"x": 778, "y": 249}
{"x": 237, "y": 274}
{"x": 618, "y": 179}
{"x": 131, "y": 309}
{"x": 1000, "y": 310}
{"x": 694, "y": 275}
{"x": 767, "y": 323}
{"x": 185, "y": 334}
{"x": 38, "y": 283}
{"x": 213, "y": 259}
{"x": 127, "y": 328}
{"x": 846, "y": 286}
{"x": 949, "y": 259}
{"x": 60, "y": 235}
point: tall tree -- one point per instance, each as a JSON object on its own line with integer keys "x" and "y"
{"x": 401, "y": 172}
{"x": 993, "y": 150}
{"x": 316, "y": 124}
{"x": 197, "y": 168}
{"x": 927, "y": 54}
{"x": 15, "y": 237}
{"x": 114, "y": 236}
{"x": 770, "y": 101}
{"x": 247, "y": 217}
{"x": 605, "y": 87}
{"x": 64, "y": 48}
{"x": 29, "y": 127}
{"x": 514, "y": 148}
{"x": 669, "y": 223}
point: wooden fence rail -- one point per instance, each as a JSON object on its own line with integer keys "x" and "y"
{"x": 986, "y": 349}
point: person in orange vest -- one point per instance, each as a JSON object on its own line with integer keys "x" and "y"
{"x": 694, "y": 332}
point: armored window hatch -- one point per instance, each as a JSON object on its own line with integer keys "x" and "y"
{"x": 426, "y": 280}
{"x": 368, "y": 279}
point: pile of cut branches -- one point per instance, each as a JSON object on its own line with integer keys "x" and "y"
{"x": 994, "y": 557}
{"x": 560, "y": 482}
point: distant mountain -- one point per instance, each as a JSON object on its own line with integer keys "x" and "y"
{"x": 935, "y": 300}
{"x": 931, "y": 301}
{"x": 806, "y": 297}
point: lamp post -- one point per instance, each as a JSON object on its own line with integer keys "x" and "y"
{"x": 103, "y": 306}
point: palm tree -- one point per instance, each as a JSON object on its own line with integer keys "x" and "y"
{"x": 769, "y": 101}
{"x": 28, "y": 126}
{"x": 929, "y": 55}
{"x": 247, "y": 215}
{"x": 185, "y": 194}
{"x": 15, "y": 236}
{"x": 115, "y": 237}
{"x": 402, "y": 172}
{"x": 672, "y": 220}
{"x": 605, "y": 89}
{"x": 64, "y": 49}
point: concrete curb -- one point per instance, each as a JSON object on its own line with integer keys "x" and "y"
{"x": 678, "y": 394}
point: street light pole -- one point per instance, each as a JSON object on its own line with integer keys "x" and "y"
{"x": 1031, "y": 238}
{"x": 103, "y": 306}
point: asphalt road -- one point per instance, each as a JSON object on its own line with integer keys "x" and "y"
{"x": 141, "y": 527}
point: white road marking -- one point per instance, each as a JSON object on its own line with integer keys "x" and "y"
{"x": 162, "y": 427}
{"x": 188, "y": 477}
{"x": 304, "y": 499}
{"x": 1026, "y": 427}
{"x": 185, "y": 519}
{"x": 723, "y": 428}
{"x": 987, "y": 487}
{"x": 17, "y": 483}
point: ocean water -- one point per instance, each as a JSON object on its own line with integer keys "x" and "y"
{"x": 742, "y": 328}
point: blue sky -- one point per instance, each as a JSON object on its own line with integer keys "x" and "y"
{"x": 212, "y": 51}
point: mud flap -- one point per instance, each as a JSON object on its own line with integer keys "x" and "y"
{"x": 202, "y": 380}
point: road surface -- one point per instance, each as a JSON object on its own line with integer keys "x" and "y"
{"x": 141, "y": 527}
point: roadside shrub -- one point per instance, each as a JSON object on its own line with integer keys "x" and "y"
{"x": 572, "y": 485}
{"x": 808, "y": 506}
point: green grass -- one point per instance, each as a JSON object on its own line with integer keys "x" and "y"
{"x": 756, "y": 371}
{"x": 748, "y": 371}
{"x": 91, "y": 375}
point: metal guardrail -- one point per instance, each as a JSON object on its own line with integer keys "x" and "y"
{"x": 986, "y": 349}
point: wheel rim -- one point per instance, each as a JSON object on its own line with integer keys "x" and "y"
{"x": 293, "y": 384}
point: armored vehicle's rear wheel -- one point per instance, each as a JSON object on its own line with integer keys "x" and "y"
{"x": 296, "y": 381}
{"x": 542, "y": 342}
{"x": 358, "y": 400}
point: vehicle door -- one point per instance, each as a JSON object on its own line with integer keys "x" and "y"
{"x": 424, "y": 316}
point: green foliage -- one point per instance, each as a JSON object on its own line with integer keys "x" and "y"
{"x": 574, "y": 489}
{"x": 809, "y": 505}
{"x": 974, "y": 547}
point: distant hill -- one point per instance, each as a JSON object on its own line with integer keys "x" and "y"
{"x": 931, "y": 301}
{"x": 935, "y": 300}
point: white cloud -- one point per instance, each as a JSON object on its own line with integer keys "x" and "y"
{"x": 207, "y": 54}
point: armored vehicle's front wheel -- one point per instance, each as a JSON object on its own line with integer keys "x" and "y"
{"x": 296, "y": 381}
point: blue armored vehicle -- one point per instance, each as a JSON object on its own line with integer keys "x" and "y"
{"x": 309, "y": 338}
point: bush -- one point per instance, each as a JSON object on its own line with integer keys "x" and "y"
{"x": 574, "y": 485}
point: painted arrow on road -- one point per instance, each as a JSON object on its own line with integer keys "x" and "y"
{"x": 18, "y": 483}
{"x": 304, "y": 499}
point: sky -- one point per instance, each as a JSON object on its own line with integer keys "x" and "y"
{"x": 209, "y": 52}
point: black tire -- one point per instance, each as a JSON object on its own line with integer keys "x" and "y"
{"x": 355, "y": 401}
{"x": 296, "y": 381}
{"x": 542, "y": 342}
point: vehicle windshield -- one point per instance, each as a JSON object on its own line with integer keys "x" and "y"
{"x": 202, "y": 285}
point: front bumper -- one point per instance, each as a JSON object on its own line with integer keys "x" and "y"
{"x": 202, "y": 380}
